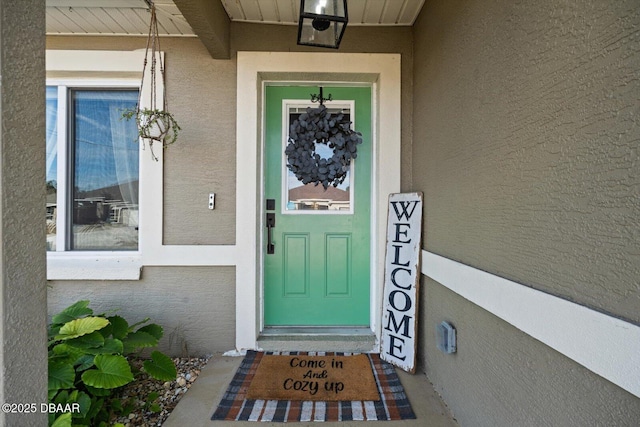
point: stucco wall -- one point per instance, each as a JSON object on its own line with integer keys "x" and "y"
{"x": 202, "y": 95}
{"x": 194, "y": 305}
{"x": 23, "y": 355}
{"x": 526, "y": 146}
{"x": 500, "y": 376}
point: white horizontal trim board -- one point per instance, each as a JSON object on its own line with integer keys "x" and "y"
{"x": 93, "y": 265}
{"x": 608, "y": 346}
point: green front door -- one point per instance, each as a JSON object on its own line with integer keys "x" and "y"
{"x": 319, "y": 271}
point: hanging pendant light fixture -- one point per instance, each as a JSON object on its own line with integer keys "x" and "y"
{"x": 322, "y": 22}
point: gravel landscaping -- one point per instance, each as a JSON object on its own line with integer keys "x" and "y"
{"x": 145, "y": 413}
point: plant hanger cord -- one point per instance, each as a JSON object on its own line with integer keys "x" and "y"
{"x": 155, "y": 123}
{"x": 153, "y": 43}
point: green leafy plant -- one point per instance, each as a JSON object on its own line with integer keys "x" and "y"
{"x": 154, "y": 125}
{"x": 90, "y": 359}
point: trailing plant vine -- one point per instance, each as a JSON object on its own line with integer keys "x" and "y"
{"x": 154, "y": 126}
{"x": 319, "y": 126}
{"x": 90, "y": 358}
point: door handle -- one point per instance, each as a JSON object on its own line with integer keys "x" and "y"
{"x": 271, "y": 222}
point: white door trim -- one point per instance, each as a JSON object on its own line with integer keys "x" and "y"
{"x": 255, "y": 68}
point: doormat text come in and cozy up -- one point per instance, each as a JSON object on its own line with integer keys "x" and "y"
{"x": 319, "y": 378}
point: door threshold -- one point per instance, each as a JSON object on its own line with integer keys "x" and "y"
{"x": 275, "y": 331}
{"x": 318, "y": 338}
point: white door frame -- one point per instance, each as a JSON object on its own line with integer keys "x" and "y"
{"x": 382, "y": 71}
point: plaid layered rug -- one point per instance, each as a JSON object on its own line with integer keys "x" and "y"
{"x": 393, "y": 403}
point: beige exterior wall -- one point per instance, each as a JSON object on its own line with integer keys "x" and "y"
{"x": 194, "y": 305}
{"x": 500, "y": 376}
{"x": 198, "y": 303}
{"x": 520, "y": 126}
{"x": 201, "y": 94}
{"x": 23, "y": 298}
{"x": 526, "y": 147}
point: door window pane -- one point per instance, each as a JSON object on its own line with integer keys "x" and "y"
{"x": 52, "y": 165}
{"x": 310, "y": 197}
{"x": 105, "y": 157}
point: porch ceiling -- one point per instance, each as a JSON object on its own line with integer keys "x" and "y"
{"x": 113, "y": 17}
{"x": 131, "y": 17}
{"x": 361, "y": 12}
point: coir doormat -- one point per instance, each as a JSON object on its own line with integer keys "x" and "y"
{"x": 391, "y": 403}
{"x": 313, "y": 377}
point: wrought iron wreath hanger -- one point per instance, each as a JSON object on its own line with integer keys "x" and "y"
{"x": 315, "y": 97}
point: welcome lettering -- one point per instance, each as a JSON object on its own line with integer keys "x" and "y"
{"x": 403, "y": 207}
{"x": 401, "y": 273}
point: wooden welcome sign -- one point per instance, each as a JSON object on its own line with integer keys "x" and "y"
{"x": 401, "y": 281}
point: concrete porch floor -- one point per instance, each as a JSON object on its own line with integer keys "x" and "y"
{"x": 199, "y": 403}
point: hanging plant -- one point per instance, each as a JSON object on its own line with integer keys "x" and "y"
{"x": 156, "y": 123}
{"x": 319, "y": 126}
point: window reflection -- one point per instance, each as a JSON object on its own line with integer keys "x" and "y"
{"x": 52, "y": 166}
{"x": 311, "y": 197}
{"x": 105, "y": 171}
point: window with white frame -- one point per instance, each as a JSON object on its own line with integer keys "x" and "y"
{"x": 92, "y": 168}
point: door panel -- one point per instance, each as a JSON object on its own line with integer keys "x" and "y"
{"x": 319, "y": 273}
{"x": 338, "y": 266}
{"x": 296, "y": 264}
